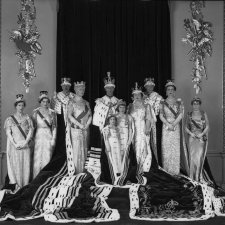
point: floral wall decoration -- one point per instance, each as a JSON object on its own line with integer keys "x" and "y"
{"x": 200, "y": 37}
{"x": 26, "y": 41}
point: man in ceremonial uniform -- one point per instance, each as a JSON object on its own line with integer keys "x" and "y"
{"x": 153, "y": 99}
{"x": 106, "y": 105}
{"x": 59, "y": 103}
{"x": 104, "y": 108}
{"x": 61, "y": 99}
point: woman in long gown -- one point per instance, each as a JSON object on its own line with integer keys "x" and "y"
{"x": 113, "y": 148}
{"x": 173, "y": 147}
{"x": 19, "y": 130}
{"x": 125, "y": 125}
{"x": 80, "y": 117}
{"x": 65, "y": 198}
{"x": 141, "y": 115}
{"x": 164, "y": 196}
{"x": 57, "y": 193}
{"x": 45, "y": 136}
{"x": 197, "y": 126}
{"x": 118, "y": 135}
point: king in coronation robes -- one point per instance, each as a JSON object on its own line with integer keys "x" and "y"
{"x": 105, "y": 107}
{"x": 63, "y": 196}
{"x": 153, "y": 99}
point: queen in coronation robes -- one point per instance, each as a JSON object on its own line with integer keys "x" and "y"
{"x": 45, "y": 123}
{"x": 173, "y": 143}
{"x": 197, "y": 126}
{"x": 19, "y": 131}
{"x": 142, "y": 117}
{"x": 80, "y": 117}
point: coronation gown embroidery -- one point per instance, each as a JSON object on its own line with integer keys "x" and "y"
{"x": 171, "y": 142}
{"x": 43, "y": 148}
{"x": 79, "y": 137}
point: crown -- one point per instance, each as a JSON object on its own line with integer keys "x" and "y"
{"x": 149, "y": 81}
{"x": 66, "y": 81}
{"x": 79, "y": 84}
{"x": 136, "y": 89}
{"x": 43, "y": 94}
{"x": 109, "y": 81}
{"x": 19, "y": 98}
{"x": 170, "y": 83}
{"x": 196, "y": 99}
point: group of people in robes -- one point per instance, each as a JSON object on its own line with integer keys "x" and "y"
{"x": 30, "y": 140}
{"x": 77, "y": 187}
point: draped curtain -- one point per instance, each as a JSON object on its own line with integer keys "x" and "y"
{"x": 129, "y": 38}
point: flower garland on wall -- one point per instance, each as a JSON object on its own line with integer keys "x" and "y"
{"x": 25, "y": 39}
{"x": 200, "y": 37}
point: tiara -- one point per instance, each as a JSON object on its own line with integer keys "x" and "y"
{"x": 136, "y": 89}
{"x": 19, "y": 97}
{"x": 109, "y": 81}
{"x": 149, "y": 81}
{"x": 79, "y": 84}
{"x": 170, "y": 83}
{"x": 43, "y": 94}
{"x": 121, "y": 102}
{"x": 66, "y": 81}
{"x": 196, "y": 99}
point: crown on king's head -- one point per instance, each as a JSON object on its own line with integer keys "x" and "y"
{"x": 170, "y": 83}
{"x": 65, "y": 81}
{"x": 19, "y": 97}
{"x": 136, "y": 89}
{"x": 109, "y": 81}
{"x": 79, "y": 84}
{"x": 149, "y": 81}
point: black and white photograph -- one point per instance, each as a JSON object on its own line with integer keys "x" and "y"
{"x": 112, "y": 111}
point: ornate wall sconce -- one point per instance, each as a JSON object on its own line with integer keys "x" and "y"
{"x": 26, "y": 41}
{"x": 200, "y": 37}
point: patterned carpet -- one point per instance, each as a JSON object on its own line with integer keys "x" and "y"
{"x": 121, "y": 202}
{"x": 123, "y": 221}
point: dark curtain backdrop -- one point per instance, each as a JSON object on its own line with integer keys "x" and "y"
{"x": 129, "y": 38}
